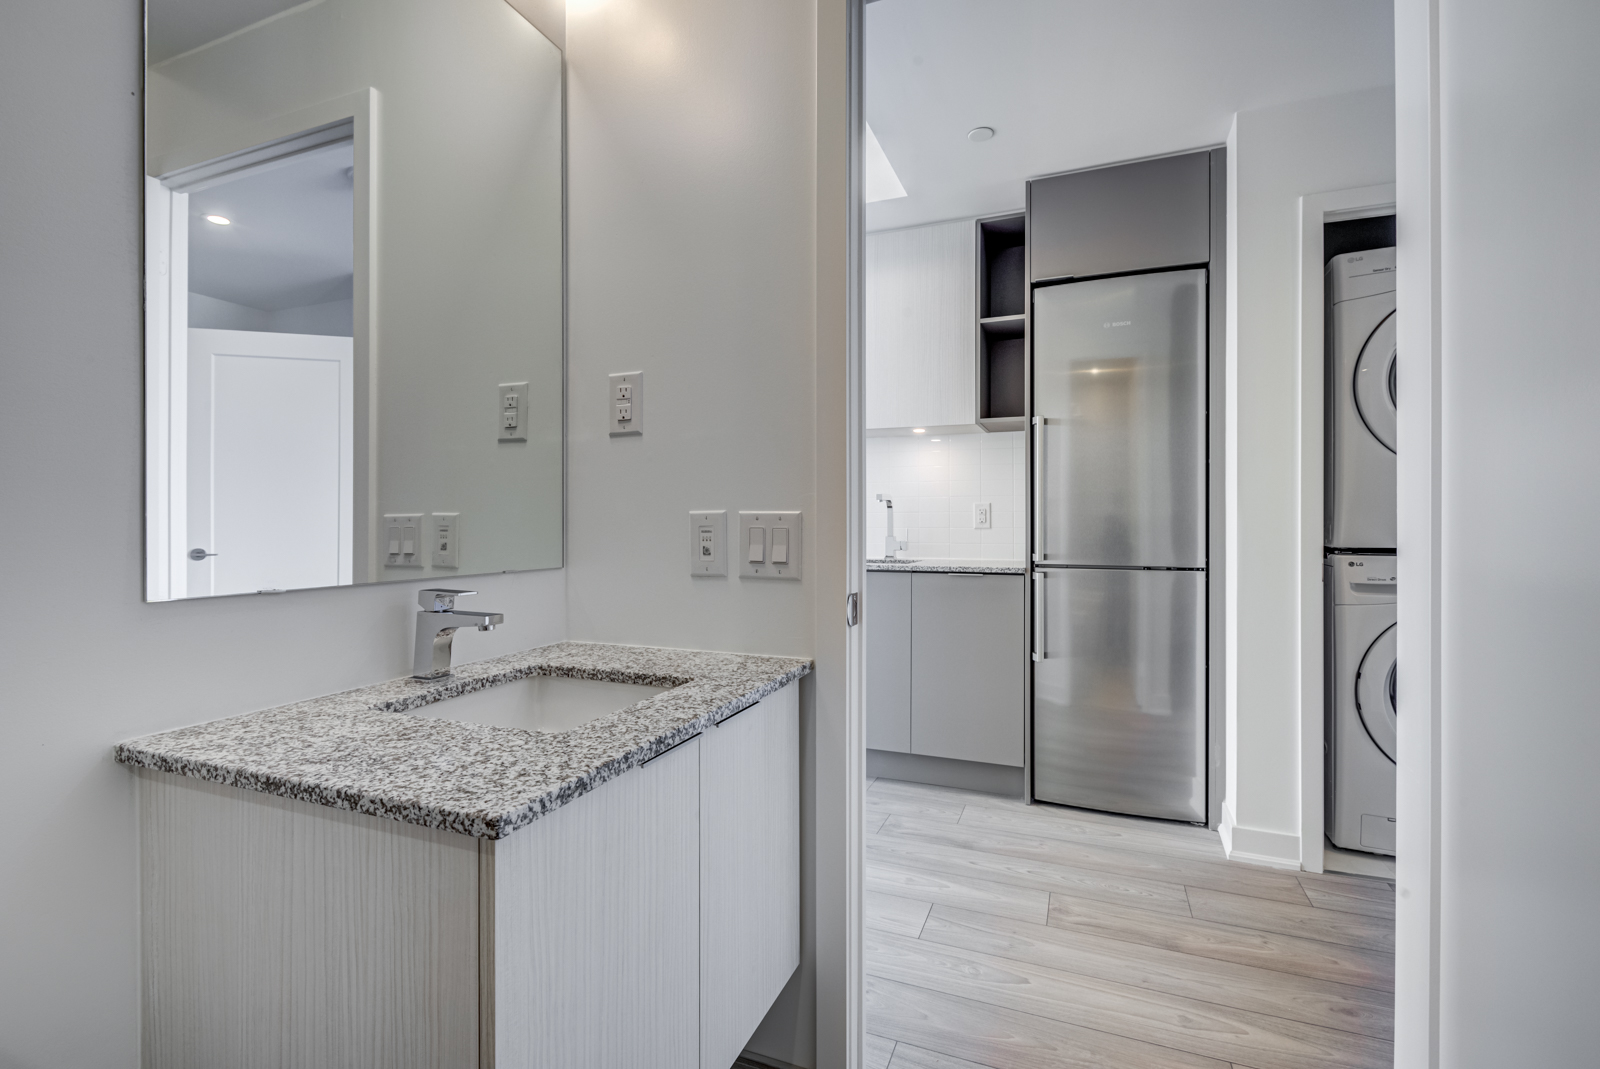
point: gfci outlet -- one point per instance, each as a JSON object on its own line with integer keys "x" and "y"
{"x": 708, "y": 543}
{"x": 769, "y": 545}
{"x": 626, "y": 403}
{"x": 982, "y": 517}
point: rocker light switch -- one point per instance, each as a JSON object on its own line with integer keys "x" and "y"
{"x": 400, "y": 536}
{"x": 772, "y": 545}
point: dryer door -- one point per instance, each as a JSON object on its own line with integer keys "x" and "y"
{"x": 1375, "y": 691}
{"x": 1375, "y": 385}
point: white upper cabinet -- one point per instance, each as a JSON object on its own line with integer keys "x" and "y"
{"x": 920, "y": 326}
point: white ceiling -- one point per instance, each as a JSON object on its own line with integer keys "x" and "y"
{"x": 291, "y": 241}
{"x": 1076, "y": 83}
{"x": 176, "y": 26}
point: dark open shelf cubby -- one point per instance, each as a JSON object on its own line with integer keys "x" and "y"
{"x": 1002, "y": 304}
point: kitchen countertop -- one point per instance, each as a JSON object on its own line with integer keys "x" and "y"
{"x": 366, "y": 750}
{"x": 946, "y": 564}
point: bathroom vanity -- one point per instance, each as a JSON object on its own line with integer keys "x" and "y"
{"x": 581, "y": 856}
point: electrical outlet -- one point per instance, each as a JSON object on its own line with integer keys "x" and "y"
{"x": 625, "y": 403}
{"x": 511, "y": 415}
{"x": 982, "y": 516}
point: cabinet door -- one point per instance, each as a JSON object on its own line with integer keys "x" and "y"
{"x": 594, "y": 953}
{"x": 887, "y": 618}
{"x": 920, "y": 326}
{"x": 749, "y": 871}
{"x": 967, "y": 667}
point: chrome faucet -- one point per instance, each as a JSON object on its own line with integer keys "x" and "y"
{"x": 890, "y": 544}
{"x": 436, "y": 627}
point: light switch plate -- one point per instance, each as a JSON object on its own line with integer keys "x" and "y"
{"x": 708, "y": 543}
{"x": 625, "y": 403}
{"x": 511, "y": 416}
{"x": 446, "y": 539}
{"x": 983, "y": 516}
{"x": 771, "y": 524}
{"x": 403, "y": 531}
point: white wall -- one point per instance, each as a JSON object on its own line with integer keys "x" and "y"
{"x": 1275, "y": 156}
{"x": 934, "y": 481}
{"x": 692, "y": 193}
{"x": 1498, "y": 955}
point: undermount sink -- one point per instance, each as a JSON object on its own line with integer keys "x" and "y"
{"x": 550, "y": 704}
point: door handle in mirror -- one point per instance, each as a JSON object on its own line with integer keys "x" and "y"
{"x": 199, "y": 554}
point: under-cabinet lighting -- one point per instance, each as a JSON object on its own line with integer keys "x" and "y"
{"x": 220, "y": 220}
{"x": 919, "y": 430}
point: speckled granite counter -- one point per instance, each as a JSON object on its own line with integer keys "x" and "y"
{"x": 946, "y": 564}
{"x": 365, "y": 750}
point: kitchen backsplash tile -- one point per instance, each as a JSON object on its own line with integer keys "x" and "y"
{"x": 934, "y": 483}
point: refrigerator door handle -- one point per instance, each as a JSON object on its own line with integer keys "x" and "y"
{"x": 1038, "y": 488}
{"x": 1038, "y": 617}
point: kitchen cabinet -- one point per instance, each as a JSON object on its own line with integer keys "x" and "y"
{"x": 945, "y": 665}
{"x": 920, "y": 326}
{"x": 888, "y": 622}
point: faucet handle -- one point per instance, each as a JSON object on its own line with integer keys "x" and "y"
{"x": 437, "y": 600}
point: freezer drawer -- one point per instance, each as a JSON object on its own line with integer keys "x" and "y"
{"x": 1119, "y": 708}
{"x": 1120, "y": 433}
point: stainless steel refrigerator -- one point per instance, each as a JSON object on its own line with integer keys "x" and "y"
{"x": 1119, "y": 697}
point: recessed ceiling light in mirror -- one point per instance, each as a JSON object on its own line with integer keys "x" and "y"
{"x": 220, "y": 220}
{"x": 980, "y": 133}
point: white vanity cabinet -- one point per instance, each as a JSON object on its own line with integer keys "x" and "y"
{"x": 920, "y": 326}
{"x": 649, "y": 922}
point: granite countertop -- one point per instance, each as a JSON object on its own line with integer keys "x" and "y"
{"x": 945, "y": 564}
{"x": 365, "y": 750}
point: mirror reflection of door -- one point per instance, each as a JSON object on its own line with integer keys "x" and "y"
{"x": 268, "y": 362}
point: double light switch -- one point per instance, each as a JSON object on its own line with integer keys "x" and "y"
{"x": 407, "y": 541}
{"x": 770, "y": 545}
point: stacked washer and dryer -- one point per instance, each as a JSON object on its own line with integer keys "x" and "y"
{"x": 1359, "y": 563}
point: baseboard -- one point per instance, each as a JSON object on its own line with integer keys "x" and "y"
{"x": 750, "y": 1060}
{"x": 1258, "y": 846}
{"x": 1356, "y": 863}
{"x": 945, "y": 772}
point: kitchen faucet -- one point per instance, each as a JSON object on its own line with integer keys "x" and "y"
{"x": 891, "y": 545}
{"x": 436, "y": 627}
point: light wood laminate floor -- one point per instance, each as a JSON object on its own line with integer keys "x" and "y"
{"x": 1007, "y": 936}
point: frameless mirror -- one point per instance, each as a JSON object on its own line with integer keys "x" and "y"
{"x": 354, "y": 269}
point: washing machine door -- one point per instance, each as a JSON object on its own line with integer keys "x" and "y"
{"x": 1375, "y": 692}
{"x": 1375, "y": 385}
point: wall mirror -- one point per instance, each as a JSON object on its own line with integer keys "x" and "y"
{"x": 353, "y": 306}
